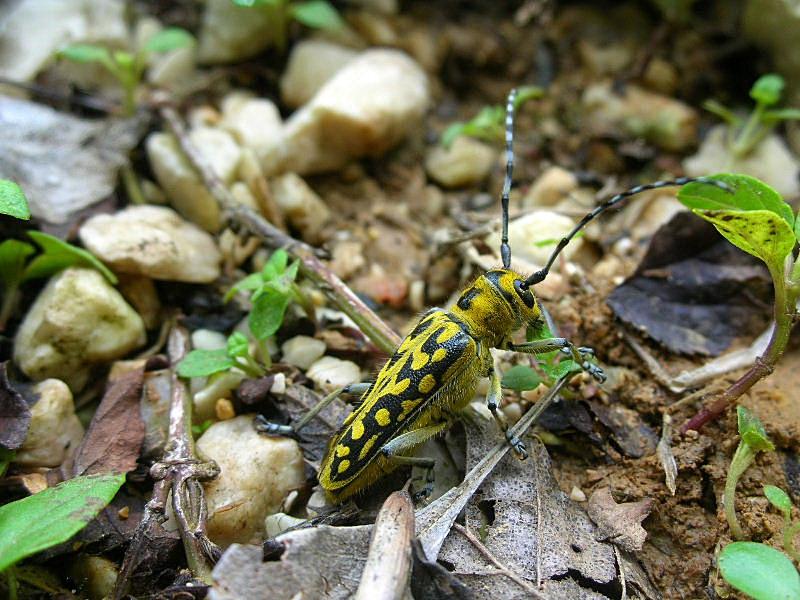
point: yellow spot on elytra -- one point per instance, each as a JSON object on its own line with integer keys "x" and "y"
{"x": 343, "y": 466}
{"x": 447, "y": 334}
{"x": 426, "y": 383}
{"x": 419, "y": 360}
{"x": 367, "y": 447}
{"x": 357, "y": 430}
{"x": 400, "y": 387}
{"x": 383, "y": 417}
{"x": 342, "y": 450}
{"x": 408, "y": 406}
{"x": 439, "y": 354}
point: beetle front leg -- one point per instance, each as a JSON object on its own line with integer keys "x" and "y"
{"x": 580, "y": 355}
{"x": 492, "y": 401}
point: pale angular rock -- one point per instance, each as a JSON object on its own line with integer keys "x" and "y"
{"x": 311, "y": 64}
{"x": 256, "y": 474}
{"x": 552, "y": 186}
{"x": 153, "y": 241}
{"x": 301, "y": 205}
{"x": 302, "y": 351}
{"x": 525, "y": 233}
{"x": 330, "y": 373}
{"x": 371, "y": 105}
{"x": 55, "y": 430}
{"x": 32, "y": 30}
{"x": 254, "y": 122}
{"x": 140, "y": 292}
{"x": 467, "y": 162}
{"x": 78, "y": 320}
{"x": 207, "y": 339}
{"x": 663, "y": 121}
{"x": 230, "y": 33}
{"x": 771, "y": 161}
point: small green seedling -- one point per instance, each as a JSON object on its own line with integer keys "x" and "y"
{"x": 760, "y": 571}
{"x": 489, "y": 124}
{"x": 55, "y": 255}
{"x": 271, "y": 290}
{"x": 317, "y": 14}
{"x": 753, "y": 439}
{"x": 746, "y": 135}
{"x": 13, "y": 201}
{"x": 753, "y": 216}
{"x": 551, "y": 366}
{"x": 128, "y": 67}
{"x": 780, "y": 500}
{"x": 51, "y": 517}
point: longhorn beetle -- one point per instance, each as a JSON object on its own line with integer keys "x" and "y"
{"x": 434, "y": 372}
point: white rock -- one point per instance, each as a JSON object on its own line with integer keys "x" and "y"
{"x": 302, "y": 351}
{"x": 551, "y": 187}
{"x": 525, "y": 233}
{"x": 661, "y": 120}
{"x": 78, "y": 320}
{"x": 466, "y": 162}
{"x": 32, "y": 30}
{"x": 54, "y": 431}
{"x": 230, "y": 33}
{"x": 311, "y": 64}
{"x": 254, "y": 122}
{"x": 771, "y": 161}
{"x": 153, "y": 241}
{"x": 256, "y": 474}
{"x": 301, "y": 205}
{"x": 207, "y": 339}
{"x": 140, "y": 292}
{"x": 278, "y": 384}
{"x": 330, "y": 373}
{"x": 577, "y": 494}
{"x": 368, "y": 107}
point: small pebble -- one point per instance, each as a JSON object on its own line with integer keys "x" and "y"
{"x": 224, "y": 409}
{"x": 278, "y": 384}
{"x": 124, "y": 512}
{"x": 330, "y": 373}
{"x": 466, "y": 163}
{"x": 302, "y": 351}
{"x": 207, "y": 339}
{"x": 577, "y": 495}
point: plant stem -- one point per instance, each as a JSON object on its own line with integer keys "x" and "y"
{"x": 9, "y": 301}
{"x": 789, "y": 532}
{"x": 748, "y": 137}
{"x": 13, "y": 586}
{"x": 742, "y": 459}
{"x": 131, "y": 184}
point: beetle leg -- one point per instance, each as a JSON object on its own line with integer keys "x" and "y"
{"x": 269, "y": 428}
{"x": 394, "y": 448}
{"x": 579, "y": 355}
{"x": 492, "y": 399}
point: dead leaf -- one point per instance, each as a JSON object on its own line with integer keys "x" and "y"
{"x": 619, "y": 523}
{"x": 115, "y": 435}
{"x": 693, "y": 290}
{"x": 314, "y": 437}
{"x": 633, "y": 436}
{"x": 63, "y": 163}
{"x": 15, "y": 415}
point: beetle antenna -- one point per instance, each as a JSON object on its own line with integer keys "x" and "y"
{"x": 505, "y": 249}
{"x": 539, "y": 275}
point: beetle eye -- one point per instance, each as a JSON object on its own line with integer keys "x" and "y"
{"x": 524, "y": 293}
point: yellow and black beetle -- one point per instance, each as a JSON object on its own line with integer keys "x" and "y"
{"x": 434, "y": 372}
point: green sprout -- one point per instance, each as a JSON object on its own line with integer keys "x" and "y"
{"x": 780, "y": 500}
{"x": 271, "y": 290}
{"x": 744, "y": 135}
{"x": 55, "y": 255}
{"x": 753, "y": 439}
{"x": 128, "y": 67}
{"x": 13, "y": 201}
{"x": 317, "y": 14}
{"x": 760, "y": 571}
{"x": 489, "y": 124}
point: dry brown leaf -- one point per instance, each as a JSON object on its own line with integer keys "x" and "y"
{"x": 619, "y": 523}
{"x": 15, "y": 415}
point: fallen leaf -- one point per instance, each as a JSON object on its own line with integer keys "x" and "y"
{"x": 114, "y": 439}
{"x": 63, "y": 163}
{"x": 15, "y": 415}
{"x": 619, "y": 523}
{"x": 693, "y": 290}
{"x": 633, "y": 436}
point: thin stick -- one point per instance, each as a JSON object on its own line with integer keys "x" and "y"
{"x": 487, "y": 554}
{"x": 310, "y": 266}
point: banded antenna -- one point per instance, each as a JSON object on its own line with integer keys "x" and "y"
{"x": 505, "y": 249}
{"x": 539, "y": 276}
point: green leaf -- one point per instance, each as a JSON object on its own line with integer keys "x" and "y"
{"x": 767, "y": 89}
{"x": 761, "y": 572}
{"x": 276, "y": 265}
{"x": 169, "y": 39}
{"x": 450, "y": 134}
{"x": 318, "y": 14}
{"x": 780, "y": 114}
{"x": 57, "y": 255}
{"x": 268, "y": 311}
{"x": 779, "y": 499}
{"x": 723, "y": 112}
{"x": 202, "y": 363}
{"x": 521, "y": 378}
{"x": 560, "y": 369}
{"x": 238, "y": 345}
{"x": 527, "y": 92}
{"x": 87, "y": 53}
{"x": 13, "y": 255}
{"x": 13, "y": 201}
{"x": 752, "y": 431}
{"x": 53, "y": 516}
{"x": 248, "y": 284}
